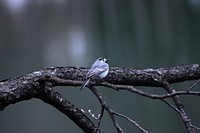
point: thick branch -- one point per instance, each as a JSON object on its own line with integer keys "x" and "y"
{"x": 25, "y": 87}
{"x": 36, "y": 85}
{"x": 63, "y": 105}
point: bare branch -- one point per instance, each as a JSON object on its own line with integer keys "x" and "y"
{"x": 107, "y": 108}
{"x": 39, "y": 85}
{"x": 178, "y": 111}
{"x": 149, "y": 95}
{"x": 185, "y": 118}
{"x": 193, "y": 85}
{"x": 101, "y": 116}
{"x": 132, "y": 121}
{"x": 171, "y": 106}
{"x": 112, "y": 113}
{"x": 63, "y": 105}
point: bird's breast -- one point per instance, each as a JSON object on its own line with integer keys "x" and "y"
{"x": 104, "y": 74}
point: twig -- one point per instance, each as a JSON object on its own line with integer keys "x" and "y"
{"x": 193, "y": 85}
{"x": 107, "y": 108}
{"x": 178, "y": 111}
{"x": 197, "y": 128}
{"x": 101, "y": 116}
{"x": 171, "y": 106}
{"x": 132, "y": 121}
{"x": 112, "y": 113}
{"x": 149, "y": 95}
{"x": 91, "y": 114}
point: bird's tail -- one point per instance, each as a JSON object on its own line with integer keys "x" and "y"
{"x": 85, "y": 83}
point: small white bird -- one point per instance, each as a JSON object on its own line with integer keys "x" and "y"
{"x": 100, "y": 68}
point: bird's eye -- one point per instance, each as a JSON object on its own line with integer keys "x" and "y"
{"x": 106, "y": 60}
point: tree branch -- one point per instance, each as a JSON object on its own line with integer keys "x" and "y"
{"x": 180, "y": 107}
{"x": 63, "y": 105}
{"x": 39, "y": 85}
{"x": 113, "y": 113}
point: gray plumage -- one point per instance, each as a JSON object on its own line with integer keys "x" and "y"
{"x": 100, "y": 68}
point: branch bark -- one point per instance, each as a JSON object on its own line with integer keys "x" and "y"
{"x": 39, "y": 83}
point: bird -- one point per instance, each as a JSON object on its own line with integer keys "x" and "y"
{"x": 99, "y": 69}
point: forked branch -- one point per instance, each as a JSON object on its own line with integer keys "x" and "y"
{"x": 39, "y": 85}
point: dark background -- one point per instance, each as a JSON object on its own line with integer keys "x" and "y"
{"x": 134, "y": 33}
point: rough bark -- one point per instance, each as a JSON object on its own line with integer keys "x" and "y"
{"x": 39, "y": 84}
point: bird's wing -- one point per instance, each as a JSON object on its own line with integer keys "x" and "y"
{"x": 97, "y": 70}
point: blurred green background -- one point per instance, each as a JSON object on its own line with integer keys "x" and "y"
{"x": 134, "y": 33}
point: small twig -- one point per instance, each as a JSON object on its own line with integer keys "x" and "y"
{"x": 100, "y": 116}
{"x": 149, "y": 95}
{"x": 107, "y": 108}
{"x": 132, "y": 121}
{"x": 193, "y": 85}
{"x": 173, "y": 107}
{"x": 197, "y": 128}
{"x": 91, "y": 114}
{"x": 170, "y": 105}
{"x": 112, "y": 113}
